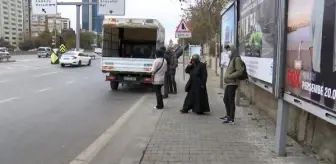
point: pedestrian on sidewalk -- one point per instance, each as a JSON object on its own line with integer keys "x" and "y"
{"x": 197, "y": 96}
{"x": 172, "y": 72}
{"x": 159, "y": 69}
{"x": 166, "y": 78}
{"x": 234, "y": 70}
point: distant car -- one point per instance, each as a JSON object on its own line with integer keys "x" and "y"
{"x": 75, "y": 58}
{"x": 44, "y": 52}
{"x": 4, "y": 52}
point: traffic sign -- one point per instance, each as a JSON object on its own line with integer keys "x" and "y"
{"x": 44, "y": 7}
{"x": 111, "y": 7}
{"x": 182, "y": 30}
{"x": 54, "y": 58}
{"x": 62, "y": 48}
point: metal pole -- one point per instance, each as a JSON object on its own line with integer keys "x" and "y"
{"x": 183, "y": 60}
{"x": 281, "y": 128}
{"x": 77, "y": 27}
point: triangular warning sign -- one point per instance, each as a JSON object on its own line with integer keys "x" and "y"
{"x": 182, "y": 27}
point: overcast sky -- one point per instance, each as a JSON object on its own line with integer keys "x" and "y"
{"x": 166, "y": 11}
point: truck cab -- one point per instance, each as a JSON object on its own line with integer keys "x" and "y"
{"x": 128, "y": 49}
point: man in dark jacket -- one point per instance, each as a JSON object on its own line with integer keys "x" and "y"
{"x": 172, "y": 71}
{"x": 234, "y": 69}
{"x": 167, "y": 80}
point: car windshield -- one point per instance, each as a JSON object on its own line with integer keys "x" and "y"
{"x": 41, "y": 49}
{"x": 70, "y": 54}
{"x": 1, "y": 50}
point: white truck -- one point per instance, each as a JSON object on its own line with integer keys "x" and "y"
{"x": 128, "y": 49}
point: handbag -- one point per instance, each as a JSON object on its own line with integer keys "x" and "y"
{"x": 157, "y": 70}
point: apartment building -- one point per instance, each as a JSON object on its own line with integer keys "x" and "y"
{"x": 11, "y": 21}
{"x": 54, "y": 23}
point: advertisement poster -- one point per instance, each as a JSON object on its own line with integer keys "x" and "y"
{"x": 257, "y": 31}
{"x": 227, "y": 32}
{"x": 194, "y": 50}
{"x": 310, "y": 60}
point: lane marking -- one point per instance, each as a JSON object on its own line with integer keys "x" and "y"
{"x": 86, "y": 156}
{"x": 43, "y": 90}
{"x": 8, "y": 100}
{"x": 46, "y": 74}
{"x": 69, "y": 82}
{"x": 4, "y": 81}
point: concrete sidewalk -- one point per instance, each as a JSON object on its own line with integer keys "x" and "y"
{"x": 192, "y": 139}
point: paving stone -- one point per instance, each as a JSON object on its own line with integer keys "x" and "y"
{"x": 193, "y": 139}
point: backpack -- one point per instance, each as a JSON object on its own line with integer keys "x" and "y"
{"x": 244, "y": 76}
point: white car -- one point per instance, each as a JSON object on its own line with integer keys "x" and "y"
{"x": 75, "y": 58}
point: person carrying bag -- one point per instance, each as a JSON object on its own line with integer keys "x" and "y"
{"x": 159, "y": 69}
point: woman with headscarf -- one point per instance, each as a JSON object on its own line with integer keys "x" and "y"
{"x": 197, "y": 96}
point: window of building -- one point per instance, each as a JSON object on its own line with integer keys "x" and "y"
{"x": 13, "y": 28}
{"x": 4, "y": 7}
{"x": 6, "y": 18}
{"x": 4, "y": 2}
{"x": 14, "y": 38}
{"x": 14, "y": 33}
{"x": 7, "y": 33}
{"x": 13, "y": 24}
{"x": 5, "y": 12}
{"x": 13, "y": 43}
{"x": 6, "y": 38}
{"x": 19, "y": 29}
{"x": 6, "y": 27}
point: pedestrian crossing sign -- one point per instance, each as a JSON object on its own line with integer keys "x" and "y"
{"x": 53, "y": 58}
{"x": 182, "y": 27}
{"x": 182, "y": 30}
{"x": 62, "y": 48}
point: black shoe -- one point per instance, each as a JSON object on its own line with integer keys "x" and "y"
{"x": 224, "y": 118}
{"x": 183, "y": 111}
{"x": 231, "y": 122}
{"x": 156, "y": 107}
{"x": 164, "y": 97}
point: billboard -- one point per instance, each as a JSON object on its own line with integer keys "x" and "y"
{"x": 257, "y": 32}
{"x": 227, "y": 32}
{"x": 310, "y": 58}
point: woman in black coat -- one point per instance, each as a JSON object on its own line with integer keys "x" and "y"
{"x": 197, "y": 97}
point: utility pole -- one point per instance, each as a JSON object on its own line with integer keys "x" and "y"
{"x": 29, "y": 20}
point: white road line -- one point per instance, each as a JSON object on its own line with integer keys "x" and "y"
{"x": 86, "y": 156}
{"x": 69, "y": 82}
{"x": 4, "y": 81}
{"x": 43, "y": 90}
{"x": 8, "y": 100}
{"x": 45, "y": 74}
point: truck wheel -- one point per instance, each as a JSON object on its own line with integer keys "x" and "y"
{"x": 114, "y": 85}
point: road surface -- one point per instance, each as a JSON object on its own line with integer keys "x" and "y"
{"x": 49, "y": 114}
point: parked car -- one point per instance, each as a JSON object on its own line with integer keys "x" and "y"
{"x": 44, "y": 52}
{"x": 75, "y": 58}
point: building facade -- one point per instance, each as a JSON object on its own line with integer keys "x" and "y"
{"x": 90, "y": 20}
{"x": 11, "y": 21}
{"x": 55, "y": 23}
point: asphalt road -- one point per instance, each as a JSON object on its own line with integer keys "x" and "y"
{"x": 49, "y": 114}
